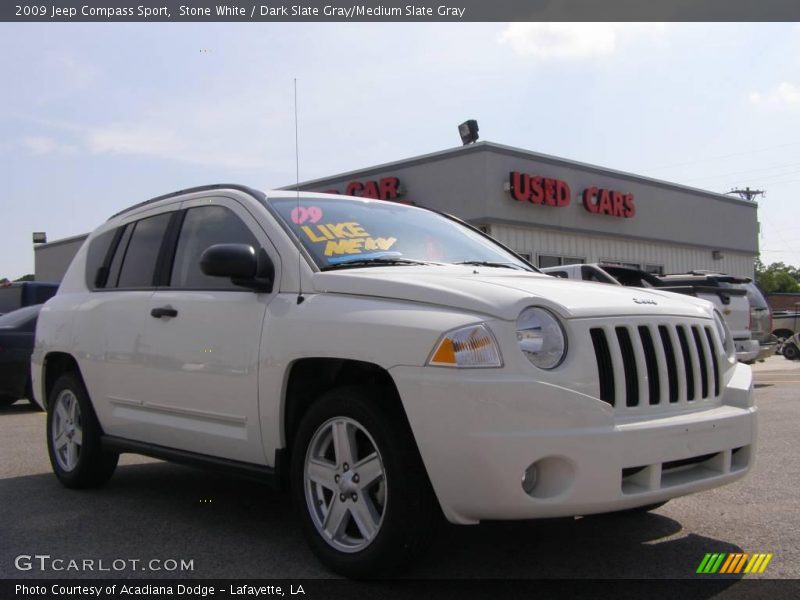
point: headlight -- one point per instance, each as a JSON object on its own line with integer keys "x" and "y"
{"x": 467, "y": 347}
{"x": 725, "y": 335}
{"x": 541, "y": 338}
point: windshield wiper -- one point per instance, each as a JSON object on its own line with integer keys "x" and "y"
{"x": 486, "y": 263}
{"x": 374, "y": 262}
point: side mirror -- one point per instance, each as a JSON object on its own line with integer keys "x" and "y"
{"x": 241, "y": 263}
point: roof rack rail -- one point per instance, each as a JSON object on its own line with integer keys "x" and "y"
{"x": 201, "y": 188}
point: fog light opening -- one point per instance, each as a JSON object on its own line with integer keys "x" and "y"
{"x": 549, "y": 477}
{"x": 529, "y": 479}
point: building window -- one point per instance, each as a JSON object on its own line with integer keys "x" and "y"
{"x": 654, "y": 269}
{"x": 551, "y": 260}
{"x": 621, "y": 263}
{"x": 525, "y": 255}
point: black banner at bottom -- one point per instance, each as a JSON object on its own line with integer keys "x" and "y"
{"x": 335, "y": 589}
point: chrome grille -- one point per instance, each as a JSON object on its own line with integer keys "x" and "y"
{"x": 644, "y": 365}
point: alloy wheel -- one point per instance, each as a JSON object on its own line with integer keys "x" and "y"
{"x": 67, "y": 430}
{"x": 345, "y": 484}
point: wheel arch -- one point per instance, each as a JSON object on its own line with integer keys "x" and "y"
{"x": 56, "y": 364}
{"x": 309, "y": 378}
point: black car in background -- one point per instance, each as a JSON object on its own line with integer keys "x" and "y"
{"x": 25, "y": 293}
{"x": 17, "y": 330}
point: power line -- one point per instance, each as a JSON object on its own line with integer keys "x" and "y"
{"x": 747, "y": 172}
{"x": 779, "y": 182}
{"x": 795, "y": 228}
{"x": 713, "y": 158}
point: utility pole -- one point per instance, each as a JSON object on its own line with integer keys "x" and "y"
{"x": 747, "y": 193}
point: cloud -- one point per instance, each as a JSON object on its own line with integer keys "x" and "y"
{"x": 236, "y": 133}
{"x": 41, "y": 146}
{"x": 129, "y": 140}
{"x": 167, "y": 143}
{"x": 72, "y": 71}
{"x": 572, "y": 40}
{"x": 783, "y": 96}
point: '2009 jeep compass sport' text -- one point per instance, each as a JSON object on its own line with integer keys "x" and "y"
{"x": 394, "y": 362}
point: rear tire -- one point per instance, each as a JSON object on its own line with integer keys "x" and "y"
{"x": 367, "y": 506}
{"x": 73, "y": 436}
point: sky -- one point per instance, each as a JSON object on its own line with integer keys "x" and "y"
{"x": 97, "y": 117}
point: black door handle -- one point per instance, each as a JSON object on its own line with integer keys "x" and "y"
{"x": 164, "y": 311}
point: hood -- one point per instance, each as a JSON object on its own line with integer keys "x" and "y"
{"x": 503, "y": 293}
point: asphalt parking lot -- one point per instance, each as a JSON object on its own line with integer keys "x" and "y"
{"x": 232, "y": 528}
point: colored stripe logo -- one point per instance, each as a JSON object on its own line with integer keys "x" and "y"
{"x": 737, "y": 562}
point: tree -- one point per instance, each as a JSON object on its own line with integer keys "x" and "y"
{"x": 777, "y": 277}
{"x": 28, "y": 277}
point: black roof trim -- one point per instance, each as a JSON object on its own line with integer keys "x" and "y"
{"x": 200, "y": 188}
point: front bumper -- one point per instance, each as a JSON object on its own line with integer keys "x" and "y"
{"x": 479, "y": 432}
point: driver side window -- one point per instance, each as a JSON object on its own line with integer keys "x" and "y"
{"x": 202, "y": 227}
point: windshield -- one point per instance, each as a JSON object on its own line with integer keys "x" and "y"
{"x": 337, "y": 232}
{"x": 754, "y": 296}
{"x": 633, "y": 277}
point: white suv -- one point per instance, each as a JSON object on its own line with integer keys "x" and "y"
{"x": 394, "y": 362}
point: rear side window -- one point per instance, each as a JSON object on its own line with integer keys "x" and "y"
{"x": 139, "y": 263}
{"x": 116, "y": 262}
{"x": 202, "y": 227}
{"x": 96, "y": 273}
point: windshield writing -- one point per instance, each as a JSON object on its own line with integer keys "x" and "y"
{"x": 336, "y": 231}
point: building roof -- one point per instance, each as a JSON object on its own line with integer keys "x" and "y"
{"x": 485, "y": 146}
{"x": 66, "y": 240}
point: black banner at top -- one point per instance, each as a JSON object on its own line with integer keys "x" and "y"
{"x": 397, "y": 10}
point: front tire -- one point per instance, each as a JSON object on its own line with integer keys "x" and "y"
{"x": 790, "y": 352}
{"x": 367, "y": 505}
{"x": 73, "y": 437}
